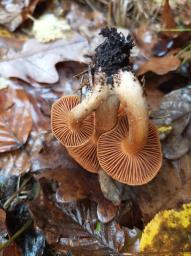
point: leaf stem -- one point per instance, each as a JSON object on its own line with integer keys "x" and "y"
{"x": 10, "y": 199}
{"x": 16, "y": 235}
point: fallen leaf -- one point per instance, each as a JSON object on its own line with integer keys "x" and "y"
{"x": 49, "y": 28}
{"x": 12, "y": 13}
{"x": 11, "y": 250}
{"x": 178, "y": 143}
{"x": 174, "y": 105}
{"x": 167, "y": 18}
{"x": 73, "y": 227}
{"x": 145, "y": 39}
{"x": 19, "y": 161}
{"x": 160, "y": 65}
{"x": 172, "y": 185}
{"x": 32, "y": 240}
{"x": 15, "y": 123}
{"x": 3, "y": 83}
{"x": 85, "y": 21}
{"x": 36, "y": 61}
{"x": 170, "y": 188}
{"x": 6, "y": 99}
{"x": 106, "y": 211}
{"x": 61, "y": 168}
{"x": 2, "y": 225}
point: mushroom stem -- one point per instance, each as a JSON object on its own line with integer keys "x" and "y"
{"x": 130, "y": 93}
{"x": 106, "y": 115}
{"x": 92, "y": 102}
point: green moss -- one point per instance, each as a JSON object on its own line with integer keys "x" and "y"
{"x": 168, "y": 232}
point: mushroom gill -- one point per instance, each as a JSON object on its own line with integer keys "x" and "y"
{"x": 105, "y": 120}
{"x": 73, "y": 122}
{"x": 131, "y": 152}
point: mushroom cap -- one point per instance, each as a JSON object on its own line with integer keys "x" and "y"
{"x": 60, "y": 115}
{"x": 86, "y": 155}
{"x": 133, "y": 169}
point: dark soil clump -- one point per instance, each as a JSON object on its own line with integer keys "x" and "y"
{"x": 113, "y": 54}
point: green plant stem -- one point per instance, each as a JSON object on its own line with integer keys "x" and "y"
{"x": 175, "y": 30}
{"x": 7, "y": 203}
{"x": 16, "y": 235}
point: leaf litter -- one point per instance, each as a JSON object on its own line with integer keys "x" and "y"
{"x": 37, "y": 174}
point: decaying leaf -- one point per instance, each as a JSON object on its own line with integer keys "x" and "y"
{"x": 32, "y": 241}
{"x": 12, "y": 13}
{"x": 160, "y": 65}
{"x": 172, "y": 184}
{"x": 49, "y": 28}
{"x": 178, "y": 143}
{"x": 173, "y": 106}
{"x": 61, "y": 168}
{"x": 36, "y": 61}
{"x": 11, "y": 250}
{"x": 65, "y": 228}
{"x": 3, "y": 83}
{"x": 19, "y": 161}
{"x": 170, "y": 188}
{"x": 3, "y": 231}
{"x": 145, "y": 39}
{"x": 168, "y": 17}
{"x": 15, "y": 122}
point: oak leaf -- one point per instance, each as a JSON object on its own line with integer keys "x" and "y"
{"x": 36, "y": 61}
{"x": 12, "y": 13}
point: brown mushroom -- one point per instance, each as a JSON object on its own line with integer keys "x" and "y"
{"x": 131, "y": 152}
{"x": 105, "y": 120}
{"x": 73, "y": 122}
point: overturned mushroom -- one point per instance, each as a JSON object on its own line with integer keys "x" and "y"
{"x": 73, "y": 122}
{"x": 105, "y": 120}
{"x": 131, "y": 152}
{"x": 111, "y": 55}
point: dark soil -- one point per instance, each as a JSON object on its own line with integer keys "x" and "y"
{"x": 113, "y": 54}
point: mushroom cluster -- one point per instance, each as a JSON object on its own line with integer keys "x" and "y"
{"x": 110, "y": 128}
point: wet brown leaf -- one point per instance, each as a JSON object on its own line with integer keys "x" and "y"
{"x": 160, "y": 65}
{"x": 172, "y": 185}
{"x": 36, "y": 61}
{"x": 19, "y": 161}
{"x": 170, "y": 188}
{"x": 12, "y": 13}
{"x": 145, "y": 39}
{"x": 174, "y": 105}
{"x": 12, "y": 249}
{"x": 31, "y": 241}
{"x": 85, "y": 20}
{"x": 61, "y": 168}
{"x": 15, "y": 122}
{"x": 66, "y": 230}
{"x": 168, "y": 17}
{"x": 6, "y": 100}
{"x": 2, "y": 220}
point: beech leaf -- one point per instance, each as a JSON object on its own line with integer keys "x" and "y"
{"x": 15, "y": 123}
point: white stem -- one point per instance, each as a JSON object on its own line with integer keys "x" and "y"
{"x": 106, "y": 114}
{"x": 89, "y": 104}
{"x": 131, "y": 96}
